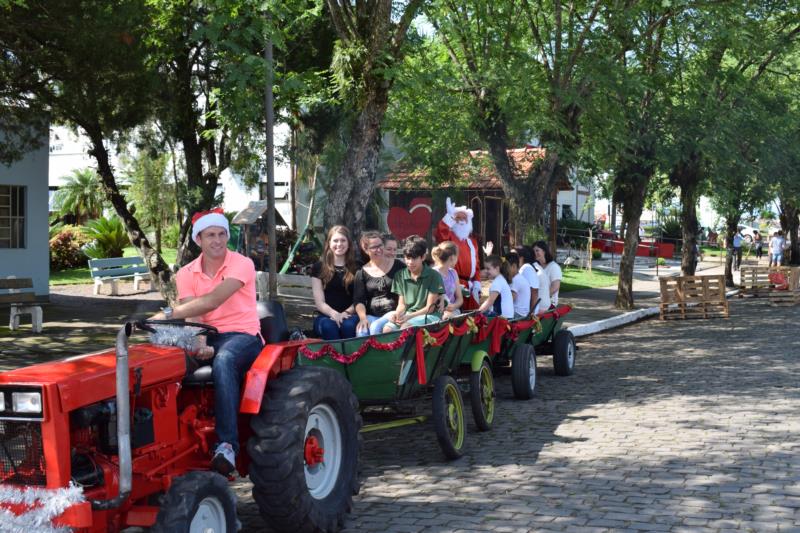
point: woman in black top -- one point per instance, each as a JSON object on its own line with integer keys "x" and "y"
{"x": 332, "y": 285}
{"x": 372, "y": 292}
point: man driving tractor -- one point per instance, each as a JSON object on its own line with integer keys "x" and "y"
{"x": 219, "y": 289}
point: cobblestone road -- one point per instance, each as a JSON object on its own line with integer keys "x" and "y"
{"x": 677, "y": 426}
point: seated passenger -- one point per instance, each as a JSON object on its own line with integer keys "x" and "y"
{"x": 445, "y": 256}
{"x": 332, "y": 283}
{"x": 549, "y": 275}
{"x": 372, "y": 288}
{"x": 500, "y": 301}
{"x": 526, "y": 260}
{"x": 520, "y": 288}
{"x": 418, "y": 288}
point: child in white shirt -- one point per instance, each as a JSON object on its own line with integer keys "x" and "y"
{"x": 500, "y": 301}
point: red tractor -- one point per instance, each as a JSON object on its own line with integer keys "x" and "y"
{"x": 122, "y": 438}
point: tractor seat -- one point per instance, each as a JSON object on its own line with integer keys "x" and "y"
{"x": 272, "y": 319}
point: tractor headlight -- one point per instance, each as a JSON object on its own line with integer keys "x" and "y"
{"x": 26, "y": 402}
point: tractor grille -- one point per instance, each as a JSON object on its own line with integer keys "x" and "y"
{"x": 21, "y": 454}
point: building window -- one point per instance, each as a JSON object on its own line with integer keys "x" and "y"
{"x": 566, "y": 212}
{"x": 12, "y": 216}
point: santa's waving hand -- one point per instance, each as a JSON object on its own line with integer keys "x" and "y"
{"x": 456, "y": 226}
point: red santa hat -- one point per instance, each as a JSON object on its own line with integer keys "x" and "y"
{"x": 206, "y": 219}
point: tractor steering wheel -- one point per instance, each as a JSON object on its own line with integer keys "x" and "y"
{"x": 147, "y": 325}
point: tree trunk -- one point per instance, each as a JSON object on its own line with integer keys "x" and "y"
{"x": 632, "y": 196}
{"x": 158, "y": 268}
{"x": 353, "y": 184}
{"x": 527, "y": 195}
{"x": 790, "y": 224}
{"x": 731, "y": 227}
{"x": 686, "y": 175}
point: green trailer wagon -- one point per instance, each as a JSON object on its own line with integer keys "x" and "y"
{"x": 525, "y": 339}
{"x": 393, "y": 369}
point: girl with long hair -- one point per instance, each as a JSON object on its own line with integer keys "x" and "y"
{"x": 332, "y": 286}
{"x": 372, "y": 293}
{"x": 500, "y": 301}
{"x": 549, "y": 276}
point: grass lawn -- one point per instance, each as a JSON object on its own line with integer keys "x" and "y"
{"x": 575, "y": 279}
{"x": 78, "y": 276}
{"x": 713, "y": 251}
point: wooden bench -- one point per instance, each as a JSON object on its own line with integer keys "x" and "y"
{"x": 114, "y": 269}
{"x": 18, "y": 292}
{"x": 292, "y": 287}
{"x": 755, "y": 281}
{"x": 685, "y": 297}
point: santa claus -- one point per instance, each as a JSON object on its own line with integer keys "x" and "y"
{"x": 456, "y": 226}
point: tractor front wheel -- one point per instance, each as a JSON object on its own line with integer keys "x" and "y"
{"x": 197, "y": 502}
{"x": 305, "y": 451}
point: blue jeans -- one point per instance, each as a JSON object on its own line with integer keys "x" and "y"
{"x": 328, "y": 330}
{"x": 233, "y": 355}
{"x": 419, "y": 320}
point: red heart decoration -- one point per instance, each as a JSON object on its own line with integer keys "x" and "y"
{"x": 413, "y": 221}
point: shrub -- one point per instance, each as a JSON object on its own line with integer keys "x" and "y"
{"x": 65, "y": 249}
{"x": 597, "y": 254}
{"x": 109, "y": 238}
{"x": 169, "y": 237}
{"x": 574, "y": 231}
{"x": 661, "y": 261}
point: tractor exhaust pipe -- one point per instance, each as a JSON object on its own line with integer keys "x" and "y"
{"x": 123, "y": 424}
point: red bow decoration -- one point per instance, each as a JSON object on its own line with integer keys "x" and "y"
{"x": 201, "y": 214}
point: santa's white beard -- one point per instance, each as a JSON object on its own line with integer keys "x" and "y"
{"x": 462, "y": 229}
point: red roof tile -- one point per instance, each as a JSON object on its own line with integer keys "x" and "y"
{"x": 477, "y": 172}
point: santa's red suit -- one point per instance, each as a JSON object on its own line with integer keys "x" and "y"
{"x": 468, "y": 266}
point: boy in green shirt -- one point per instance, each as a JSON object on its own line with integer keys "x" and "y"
{"x": 418, "y": 288}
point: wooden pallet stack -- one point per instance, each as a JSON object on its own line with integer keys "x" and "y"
{"x": 685, "y": 297}
{"x": 781, "y": 285}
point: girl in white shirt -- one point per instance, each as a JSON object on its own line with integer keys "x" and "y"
{"x": 520, "y": 288}
{"x": 500, "y": 300}
{"x": 549, "y": 275}
{"x": 526, "y": 268}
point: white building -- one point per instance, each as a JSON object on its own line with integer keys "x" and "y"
{"x": 24, "y": 219}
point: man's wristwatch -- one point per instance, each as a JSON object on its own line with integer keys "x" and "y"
{"x": 167, "y": 312}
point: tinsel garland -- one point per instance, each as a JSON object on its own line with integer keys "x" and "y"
{"x": 347, "y": 359}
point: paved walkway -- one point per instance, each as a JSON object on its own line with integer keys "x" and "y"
{"x": 679, "y": 426}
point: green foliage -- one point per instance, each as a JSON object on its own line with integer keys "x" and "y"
{"x": 81, "y": 195}
{"x": 597, "y": 254}
{"x": 533, "y": 234}
{"x": 65, "y": 249}
{"x": 660, "y": 261}
{"x": 170, "y": 236}
{"x": 671, "y": 225}
{"x": 577, "y": 231}
{"x": 108, "y": 238}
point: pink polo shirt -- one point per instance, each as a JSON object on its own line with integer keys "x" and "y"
{"x": 237, "y": 313}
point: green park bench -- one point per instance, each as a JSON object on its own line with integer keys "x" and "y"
{"x": 114, "y": 269}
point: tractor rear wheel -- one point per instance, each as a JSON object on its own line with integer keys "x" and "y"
{"x": 482, "y": 396}
{"x": 197, "y": 502}
{"x": 564, "y": 353}
{"x": 305, "y": 451}
{"x": 523, "y": 371}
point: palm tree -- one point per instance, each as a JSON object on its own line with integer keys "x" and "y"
{"x": 81, "y": 195}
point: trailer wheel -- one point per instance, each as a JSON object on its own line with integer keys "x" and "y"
{"x": 197, "y": 502}
{"x": 448, "y": 416}
{"x": 482, "y": 396}
{"x": 305, "y": 450}
{"x": 523, "y": 372}
{"x": 564, "y": 353}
